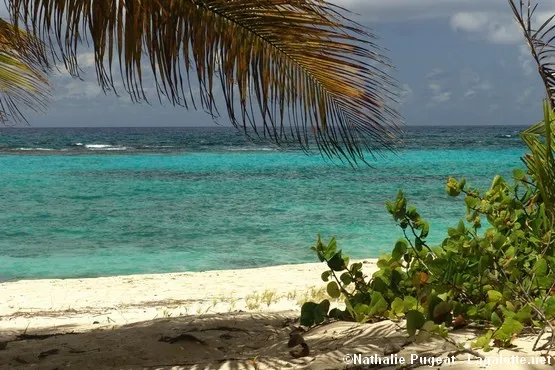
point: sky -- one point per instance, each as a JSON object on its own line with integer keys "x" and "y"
{"x": 458, "y": 62}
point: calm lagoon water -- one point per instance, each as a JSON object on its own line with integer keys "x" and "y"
{"x": 101, "y": 202}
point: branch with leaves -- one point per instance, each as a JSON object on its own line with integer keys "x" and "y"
{"x": 293, "y": 71}
{"x": 23, "y": 70}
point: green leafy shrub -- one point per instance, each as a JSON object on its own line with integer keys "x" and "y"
{"x": 503, "y": 276}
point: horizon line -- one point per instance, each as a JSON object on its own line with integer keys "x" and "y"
{"x": 231, "y": 127}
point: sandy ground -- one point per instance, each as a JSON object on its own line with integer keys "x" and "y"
{"x": 120, "y": 300}
{"x": 234, "y": 319}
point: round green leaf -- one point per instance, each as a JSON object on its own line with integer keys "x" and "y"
{"x": 519, "y": 174}
{"x": 307, "y": 313}
{"x": 400, "y": 249}
{"x": 494, "y": 296}
{"x": 337, "y": 263}
{"x": 333, "y": 290}
{"x": 346, "y": 278}
{"x": 398, "y": 306}
{"x": 415, "y": 320}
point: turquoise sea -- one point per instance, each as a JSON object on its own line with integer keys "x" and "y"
{"x": 101, "y": 202}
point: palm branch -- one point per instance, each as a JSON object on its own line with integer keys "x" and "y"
{"x": 289, "y": 70}
{"x": 23, "y": 65}
{"x": 540, "y": 138}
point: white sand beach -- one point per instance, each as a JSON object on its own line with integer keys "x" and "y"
{"x": 232, "y": 319}
{"x": 121, "y": 300}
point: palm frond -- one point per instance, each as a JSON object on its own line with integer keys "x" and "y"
{"x": 541, "y": 41}
{"x": 23, "y": 67}
{"x": 287, "y": 68}
{"x": 540, "y": 138}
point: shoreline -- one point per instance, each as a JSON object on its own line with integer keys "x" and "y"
{"x": 91, "y": 303}
{"x": 176, "y": 272}
{"x": 228, "y": 319}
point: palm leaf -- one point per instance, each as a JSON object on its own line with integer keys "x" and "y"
{"x": 540, "y": 40}
{"x": 23, "y": 65}
{"x": 540, "y": 138}
{"x": 289, "y": 70}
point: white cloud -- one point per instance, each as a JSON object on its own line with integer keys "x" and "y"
{"x": 434, "y": 73}
{"x": 508, "y": 33}
{"x": 498, "y": 28}
{"x": 493, "y": 107}
{"x": 438, "y": 94}
{"x": 543, "y": 16}
{"x": 401, "y": 10}
{"x": 473, "y": 83}
{"x": 522, "y": 98}
{"x": 469, "y": 77}
{"x": 525, "y": 60}
{"x": 442, "y": 97}
{"x": 86, "y": 59}
{"x": 480, "y": 87}
{"x": 469, "y": 93}
{"x": 434, "y": 88}
{"x": 405, "y": 94}
{"x": 484, "y": 86}
{"x": 77, "y": 90}
{"x": 469, "y": 21}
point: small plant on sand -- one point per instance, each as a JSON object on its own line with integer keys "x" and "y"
{"x": 232, "y": 304}
{"x": 312, "y": 294}
{"x": 228, "y": 300}
{"x": 203, "y": 310}
{"x": 291, "y": 296}
{"x": 166, "y": 313}
{"x": 253, "y": 301}
{"x": 269, "y": 297}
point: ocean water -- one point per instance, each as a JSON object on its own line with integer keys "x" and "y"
{"x": 102, "y": 202}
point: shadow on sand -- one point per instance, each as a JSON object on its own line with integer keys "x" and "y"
{"x": 221, "y": 341}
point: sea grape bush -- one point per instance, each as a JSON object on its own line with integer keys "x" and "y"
{"x": 502, "y": 277}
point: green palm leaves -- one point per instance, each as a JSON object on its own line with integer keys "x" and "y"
{"x": 540, "y": 41}
{"x": 22, "y": 79}
{"x": 289, "y": 70}
{"x": 540, "y": 137}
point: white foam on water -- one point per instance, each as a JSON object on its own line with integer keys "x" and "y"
{"x": 104, "y": 147}
{"x": 97, "y": 146}
{"x": 116, "y": 148}
{"x": 250, "y": 149}
{"x": 35, "y": 149}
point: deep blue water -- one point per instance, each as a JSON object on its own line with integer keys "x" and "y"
{"x": 100, "y": 202}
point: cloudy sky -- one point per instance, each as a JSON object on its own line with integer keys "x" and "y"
{"x": 460, "y": 62}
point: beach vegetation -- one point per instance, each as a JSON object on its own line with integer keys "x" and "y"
{"x": 495, "y": 268}
{"x": 269, "y": 297}
{"x": 311, "y": 294}
{"x": 294, "y": 72}
{"x": 502, "y": 277}
{"x": 256, "y": 300}
{"x": 166, "y": 313}
{"x": 204, "y": 310}
{"x": 253, "y": 301}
